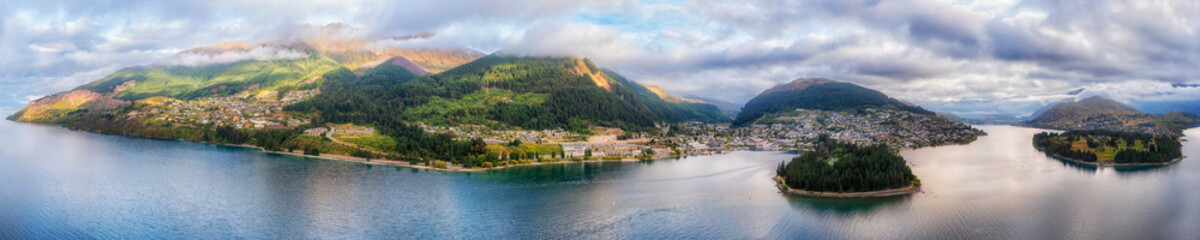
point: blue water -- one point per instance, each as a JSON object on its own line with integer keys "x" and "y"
{"x": 56, "y": 183}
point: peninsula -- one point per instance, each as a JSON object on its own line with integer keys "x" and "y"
{"x": 1108, "y": 148}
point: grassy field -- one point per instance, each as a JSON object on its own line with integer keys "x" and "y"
{"x": 374, "y": 140}
{"x": 539, "y": 149}
{"x": 325, "y": 145}
{"x": 1104, "y": 152}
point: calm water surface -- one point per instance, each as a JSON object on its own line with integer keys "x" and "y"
{"x": 56, "y": 183}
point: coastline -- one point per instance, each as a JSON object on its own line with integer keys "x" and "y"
{"x": 911, "y": 189}
{"x": 396, "y": 163}
{"x": 1100, "y": 164}
{"x": 358, "y": 160}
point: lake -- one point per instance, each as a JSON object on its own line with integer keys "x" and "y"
{"x": 56, "y": 183}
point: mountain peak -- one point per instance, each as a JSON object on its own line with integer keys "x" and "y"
{"x": 819, "y": 94}
{"x": 1104, "y": 104}
{"x": 798, "y": 84}
{"x": 668, "y": 97}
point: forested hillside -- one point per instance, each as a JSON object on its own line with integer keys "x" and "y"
{"x": 501, "y": 91}
{"x": 818, "y": 94}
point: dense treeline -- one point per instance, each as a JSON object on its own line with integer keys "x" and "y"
{"x": 834, "y": 96}
{"x": 596, "y": 105}
{"x": 1155, "y": 148}
{"x": 836, "y": 166}
{"x": 1046, "y": 142}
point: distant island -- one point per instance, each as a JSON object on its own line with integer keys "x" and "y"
{"x": 1109, "y": 148}
{"x": 837, "y": 169}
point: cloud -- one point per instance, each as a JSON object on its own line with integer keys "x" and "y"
{"x": 30, "y": 98}
{"x": 1003, "y": 57}
{"x": 203, "y": 58}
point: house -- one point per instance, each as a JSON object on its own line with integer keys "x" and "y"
{"x": 575, "y": 149}
{"x": 317, "y": 131}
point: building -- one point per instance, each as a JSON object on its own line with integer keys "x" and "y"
{"x": 317, "y": 131}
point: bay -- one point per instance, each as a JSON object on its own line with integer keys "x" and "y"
{"x": 56, "y": 183}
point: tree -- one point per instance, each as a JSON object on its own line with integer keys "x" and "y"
{"x": 858, "y": 168}
{"x": 312, "y": 151}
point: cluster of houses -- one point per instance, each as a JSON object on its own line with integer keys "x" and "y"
{"x": 600, "y": 150}
{"x": 467, "y": 132}
{"x": 796, "y": 130}
{"x": 244, "y": 110}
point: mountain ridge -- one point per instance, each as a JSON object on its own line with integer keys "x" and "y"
{"x": 1099, "y": 113}
{"x": 818, "y": 94}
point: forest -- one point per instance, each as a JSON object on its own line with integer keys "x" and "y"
{"x": 836, "y": 166}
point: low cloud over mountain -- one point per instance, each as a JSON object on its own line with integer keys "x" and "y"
{"x": 1003, "y": 57}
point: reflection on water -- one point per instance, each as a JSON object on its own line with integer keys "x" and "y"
{"x": 62, "y": 184}
{"x": 847, "y": 206}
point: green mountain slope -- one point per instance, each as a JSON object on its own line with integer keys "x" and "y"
{"x": 183, "y": 77}
{"x": 502, "y": 91}
{"x": 818, "y": 94}
{"x": 183, "y": 82}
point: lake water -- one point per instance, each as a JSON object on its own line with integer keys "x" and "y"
{"x": 56, "y": 183}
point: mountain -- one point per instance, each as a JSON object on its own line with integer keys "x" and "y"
{"x": 232, "y": 68}
{"x": 1040, "y": 111}
{"x": 728, "y": 108}
{"x": 1160, "y": 107}
{"x": 818, "y": 94}
{"x": 1105, "y": 114}
{"x": 502, "y": 91}
{"x": 269, "y": 95}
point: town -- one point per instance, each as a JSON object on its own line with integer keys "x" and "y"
{"x": 795, "y": 130}
{"x": 262, "y": 110}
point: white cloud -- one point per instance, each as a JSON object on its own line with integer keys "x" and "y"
{"x": 30, "y": 98}
{"x": 204, "y": 58}
{"x": 986, "y": 56}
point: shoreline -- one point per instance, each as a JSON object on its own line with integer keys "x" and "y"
{"x": 910, "y": 189}
{"x": 396, "y": 163}
{"x": 1101, "y": 165}
{"x": 358, "y": 160}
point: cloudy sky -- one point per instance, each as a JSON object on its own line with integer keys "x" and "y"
{"x": 1004, "y": 57}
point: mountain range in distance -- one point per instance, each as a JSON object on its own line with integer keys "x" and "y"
{"x": 1101, "y": 113}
